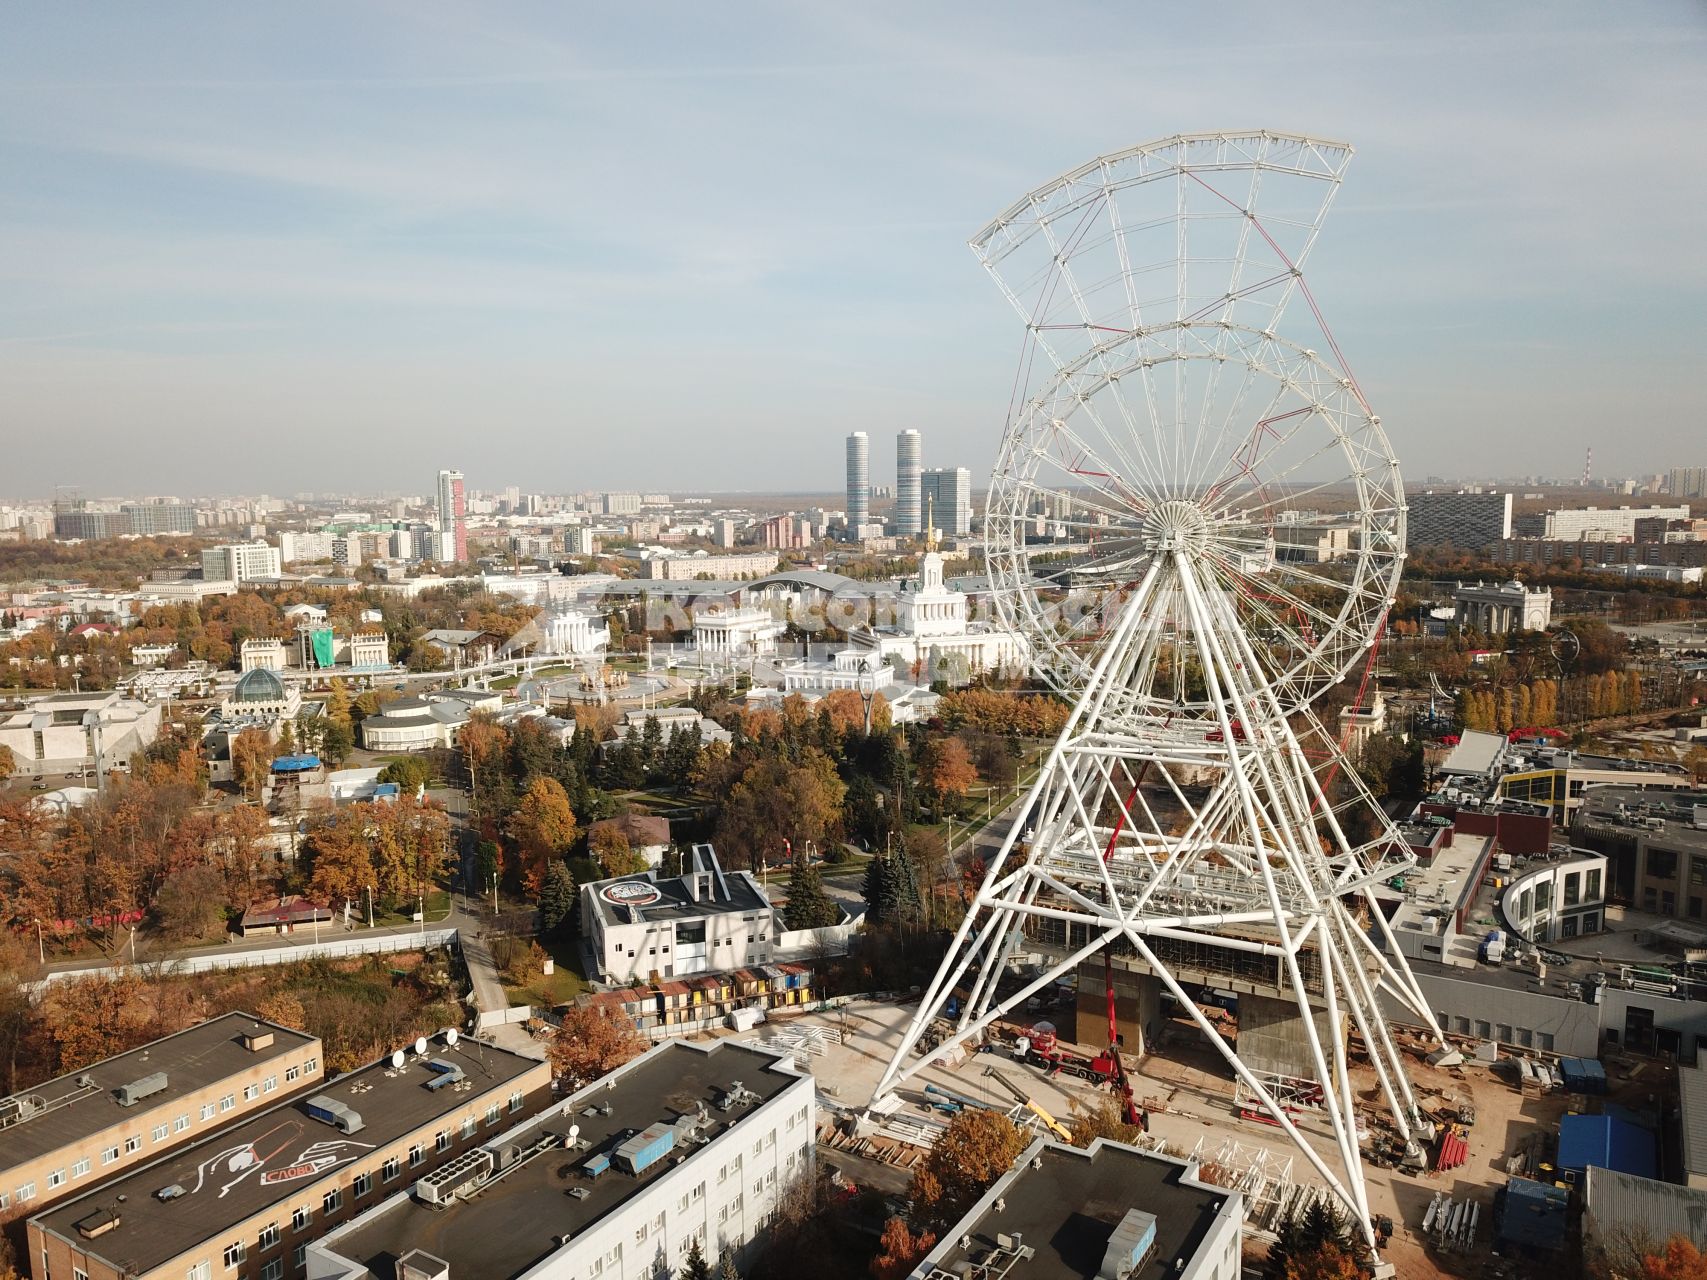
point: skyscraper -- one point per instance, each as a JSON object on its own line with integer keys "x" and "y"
{"x": 946, "y": 493}
{"x": 859, "y": 482}
{"x": 908, "y": 450}
{"x": 453, "y": 516}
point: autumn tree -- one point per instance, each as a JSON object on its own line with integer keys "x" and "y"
{"x": 777, "y": 799}
{"x": 1103, "y": 1120}
{"x": 976, "y": 1148}
{"x": 900, "y": 1250}
{"x": 592, "y": 1041}
{"x": 8, "y": 763}
{"x": 251, "y": 761}
{"x": 284, "y": 1008}
{"x": 809, "y": 907}
{"x": 608, "y": 846}
{"x": 190, "y": 903}
{"x": 542, "y": 827}
{"x": 946, "y": 770}
{"x": 340, "y": 864}
{"x": 1315, "y": 1244}
{"x": 1682, "y": 1260}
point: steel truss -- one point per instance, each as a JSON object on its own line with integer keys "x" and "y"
{"x": 1253, "y": 858}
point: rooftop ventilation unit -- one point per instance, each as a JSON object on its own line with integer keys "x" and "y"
{"x": 443, "y": 1073}
{"x": 1133, "y": 1241}
{"x": 331, "y": 1111}
{"x": 134, "y": 1092}
{"x": 646, "y": 1148}
{"x": 256, "y": 1039}
{"x": 418, "y": 1264}
{"x": 465, "y": 1174}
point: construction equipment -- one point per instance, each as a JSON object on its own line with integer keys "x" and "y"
{"x": 1020, "y": 1096}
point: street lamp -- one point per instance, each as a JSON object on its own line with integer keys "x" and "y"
{"x": 369, "y": 905}
{"x": 41, "y": 946}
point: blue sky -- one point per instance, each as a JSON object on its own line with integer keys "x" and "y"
{"x": 337, "y": 246}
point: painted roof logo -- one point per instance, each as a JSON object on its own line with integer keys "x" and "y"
{"x": 631, "y": 893}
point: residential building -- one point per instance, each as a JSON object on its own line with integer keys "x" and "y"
{"x": 74, "y": 519}
{"x": 1465, "y": 520}
{"x": 296, "y": 547}
{"x": 579, "y": 540}
{"x": 946, "y": 493}
{"x": 151, "y": 518}
{"x": 1494, "y": 608}
{"x": 64, "y": 1136}
{"x": 240, "y": 562}
{"x": 687, "y": 1144}
{"x": 1110, "y": 1211}
{"x": 246, "y": 1202}
{"x": 1588, "y": 524}
{"x": 706, "y": 920}
{"x": 67, "y": 732}
{"x": 620, "y": 504}
{"x": 452, "y": 512}
{"x": 909, "y": 451}
{"x": 647, "y": 834}
{"x": 1687, "y": 482}
{"x": 686, "y": 568}
{"x": 724, "y": 531}
{"x": 858, "y": 481}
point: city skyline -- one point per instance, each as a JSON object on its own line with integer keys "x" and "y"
{"x": 268, "y": 241}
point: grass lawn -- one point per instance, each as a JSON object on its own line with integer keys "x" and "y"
{"x": 560, "y": 987}
{"x": 438, "y": 907}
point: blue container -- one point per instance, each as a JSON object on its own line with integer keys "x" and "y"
{"x": 646, "y": 1148}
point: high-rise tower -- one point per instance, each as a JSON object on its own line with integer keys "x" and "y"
{"x": 453, "y": 518}
{"x": 947, "y": 495}
{"x": 859, "y": 482}
{"x": 909, "y": 449}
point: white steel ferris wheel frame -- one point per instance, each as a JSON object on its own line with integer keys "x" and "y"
{"x": 1187, "y": 802}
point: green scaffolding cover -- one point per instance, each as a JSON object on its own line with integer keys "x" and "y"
{"x": 323, "y": 647}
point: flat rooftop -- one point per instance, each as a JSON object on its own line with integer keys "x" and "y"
{"x": 225, "y": 1177}
{"x": 516, "y": 1222}
{"x": 65, "y": 1112}
{"x": 640, "y": 898}
{"x": 1067, "y": 1210}
{"x": 1632, "y": 811}
{"x": 1434, "y": 892}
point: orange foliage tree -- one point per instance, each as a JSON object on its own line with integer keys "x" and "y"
{"x": 593, "y": 1041}
{"x": 900, "y": 1250}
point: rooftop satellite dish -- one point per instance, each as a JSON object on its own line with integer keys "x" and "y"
{"x": 450, "y": 1036}
{"x": 396, "y": 1058}
{"x": 420, "y": 1046}
{"x": 574, "y": 1133}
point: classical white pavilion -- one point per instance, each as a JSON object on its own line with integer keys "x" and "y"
{"x": 571, "y": 632}
{"x": 931, "y": 623}
{"x": 735, "y": 631}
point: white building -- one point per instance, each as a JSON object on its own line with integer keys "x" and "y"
{"x": 261, "y": 693}
{"x": 687, "y": 1144}
{"x": 431, "y": 720}
{"x": 1594, "y": 524}
{"x": 574, "y": 632}
{"x": 706, "y": 921}
{"x": 240, "y": 562}
{"x": 685, "y": 568}
{"x": 1494, "y": 608}
{"x": 735, "y": 631}
{"x": 67, "y": 732}
{"x": 1109, "y": 1212}
{"x": 262, "y": 652}
{"x": 857, "y": 669}
{"x": 931, "y": 627}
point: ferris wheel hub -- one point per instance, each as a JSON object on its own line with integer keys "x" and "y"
{"x": 1177, "y": 525}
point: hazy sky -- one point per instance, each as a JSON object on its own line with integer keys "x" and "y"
{"x": 268, "y": 248}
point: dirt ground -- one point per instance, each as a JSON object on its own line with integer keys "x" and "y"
{"x": 1195, "y": 1091}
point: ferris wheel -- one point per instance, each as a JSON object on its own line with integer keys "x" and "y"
{"x": 1175, "y": 409}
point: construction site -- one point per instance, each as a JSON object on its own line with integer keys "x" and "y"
{"x": 1495, "y": 1121}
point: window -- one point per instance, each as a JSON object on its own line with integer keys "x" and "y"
{"x": 300, "y": 1217}
{"x": 1568, "y": 927}
{"x": 80, "y": 1167}
{"x": 77, "y": 1273}
{"x": 291, "y": 1073}
{"x": 273, "y": 1269}
{"x": 181, "y": 1123}
{"x": 26, "y": 1193}
{"x": 207, "y": 1111}
{"x": 468, "y": 1126}
{"x": 441, "y": 1141}
{"x": 417, "y": 1154}
{"x": 234, "y": 1254}
{"x": 1544, "y": 895}
{"x": 1573, "y": 886}
{"x": 1591, "y": 886}
{"x": 363, "y": 1183}
{"x": 159, "y": 1132}
{"x": 388, "y": 1170}
{"x": 56, "y": 1179}
{"x": 1650, "y": 898}
{"x": 228, "y": 1102}
{"x": 132, "y": 1146}
{"x": 299, "y": 1257}
{"x": 251, "y": 1092}
{"x": 269, "y": 1084}
{"x": 333, "y": 1200}
{"x": 515, "y": 1102}
{"x": 109, "y": 1155}
{"x": 1662, "y": 864}
{"x": 492, "y": 1114}
{"x": 269, "y": 1236}
{"x": 1668, "y": 902}
{"x": 198, "y": 1272}
{"x": 311, "y": 1066}
{"x": 1694, "y": 907}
